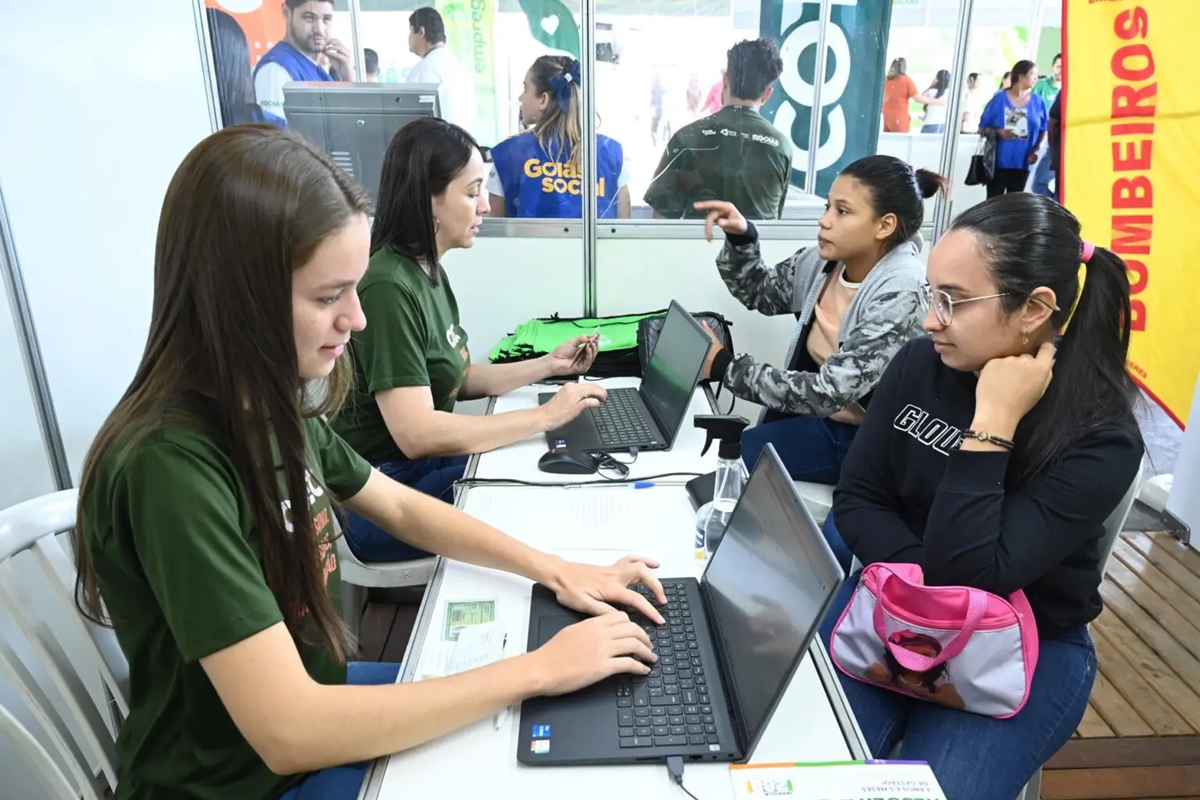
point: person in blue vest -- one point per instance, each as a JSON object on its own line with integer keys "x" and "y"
{"x": 308, "y": 24}
{"x": 537, "y": 173}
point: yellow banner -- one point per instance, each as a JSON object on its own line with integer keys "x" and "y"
{"x": 1131, "y": 171}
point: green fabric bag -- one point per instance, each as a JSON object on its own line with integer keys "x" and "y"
{"x": 618, "y": 354}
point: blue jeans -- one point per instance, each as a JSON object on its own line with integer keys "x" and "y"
{"x": 344, "y": 783}
{"x": 975, "y": 757}
{"x": 834, "y": 537}
{"x": 1041, "y": 177}
{"x": 811, "y": 448}
{"x": 433, "y": 476}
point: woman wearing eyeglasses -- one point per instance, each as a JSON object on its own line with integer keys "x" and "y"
{"x": 991, "y": 455}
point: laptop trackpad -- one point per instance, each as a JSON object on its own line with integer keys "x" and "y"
{"x": 549, "y": 626}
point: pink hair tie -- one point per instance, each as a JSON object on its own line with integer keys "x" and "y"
{"x": 1085, "y": 253}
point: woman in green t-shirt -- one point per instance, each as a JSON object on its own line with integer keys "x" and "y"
{"x": 413, "y": 362}
{"x": 206, "y": 510}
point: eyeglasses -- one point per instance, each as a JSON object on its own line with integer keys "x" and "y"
{"x": 943, "y": 304}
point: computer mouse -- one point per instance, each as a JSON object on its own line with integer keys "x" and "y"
{"x": 565, "y": 462}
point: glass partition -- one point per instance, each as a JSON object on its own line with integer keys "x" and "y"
{"x": 662, "y": 90}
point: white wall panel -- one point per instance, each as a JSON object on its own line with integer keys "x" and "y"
{"x": 502, "y": 282}
{"x": 24, "y": 466}
{"x": 101, "y": 102}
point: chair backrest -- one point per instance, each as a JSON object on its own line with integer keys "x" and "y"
{"x": 34, "y": 756}
{"x": 1116, "y": 521}
{"x": 37, "y": 589}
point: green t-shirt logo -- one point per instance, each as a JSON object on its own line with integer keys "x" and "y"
{"x": 322, "y": 521}
{"x": 452, "y": 336}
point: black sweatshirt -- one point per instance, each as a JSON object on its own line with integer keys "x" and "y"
{"x": 908, "y": 494}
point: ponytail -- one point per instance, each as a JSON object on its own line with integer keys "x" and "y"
{"x": 1091, "y": 385}
{"x": 1029, "y": 242}
{"x": 559, "y": 131}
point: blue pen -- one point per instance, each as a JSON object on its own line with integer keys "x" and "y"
{"x": 643, "y": 484}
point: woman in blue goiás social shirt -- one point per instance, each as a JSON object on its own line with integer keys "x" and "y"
{"x": 412, "y": 362}
{"x": 1017, "y": 118}
{"x": 537, "y": 173}
{"x": 220, "y": 573}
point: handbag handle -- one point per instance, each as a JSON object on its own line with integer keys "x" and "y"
{"x": 976, "y": 608}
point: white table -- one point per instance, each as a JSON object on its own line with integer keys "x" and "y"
{"x": 812, "y": 722}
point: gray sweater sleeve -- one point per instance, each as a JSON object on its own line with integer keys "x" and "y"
{"x": 769, "y": 290}
{"x": 892, "y": 318}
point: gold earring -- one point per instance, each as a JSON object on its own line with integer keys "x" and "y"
{"x": 1024, "y": 338}
{"x": 437, "y": 224}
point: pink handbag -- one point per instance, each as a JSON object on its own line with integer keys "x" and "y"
{"x": 961, "y": 647}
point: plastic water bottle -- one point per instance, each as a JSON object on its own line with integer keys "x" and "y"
{"x": 713, "y": 517}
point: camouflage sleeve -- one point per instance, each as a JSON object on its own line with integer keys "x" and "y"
{"x": 847, "y": 376}
{"x": 759, "y": 287}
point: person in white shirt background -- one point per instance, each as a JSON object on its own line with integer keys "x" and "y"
{"x": 308, "y": 24}
{"x": 427, "y": 39}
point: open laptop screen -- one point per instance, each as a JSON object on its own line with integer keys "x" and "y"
{"x": 767, "y": 585}
{"x": 673, "y": 370}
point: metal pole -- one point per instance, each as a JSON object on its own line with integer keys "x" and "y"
{"x": 587, "y": 74}
{"x": 360, "y": 57}
{"x": 814, "y": 120}
{"x": 31, "y": 353}
{"x": 204, "y": 42}
{"x": 958, "y": 76}
{"x": 1035, "y": 29}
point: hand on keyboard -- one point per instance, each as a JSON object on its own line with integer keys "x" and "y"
{"x": 591, "y": 589}
{"x": 571, "y": 401}
{"x": 591, "y": 651}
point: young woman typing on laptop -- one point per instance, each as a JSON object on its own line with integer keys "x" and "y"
{"x": 855, "y": 298}
{"x": 413, "y": 360}
{"x": 992, "y": 459}
{"x": 206, "y": 508}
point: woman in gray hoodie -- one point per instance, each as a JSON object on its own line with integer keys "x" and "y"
{"x": 856, "y": 300}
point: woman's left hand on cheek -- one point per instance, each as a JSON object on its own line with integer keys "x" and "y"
{"x": 1010, "y": 387}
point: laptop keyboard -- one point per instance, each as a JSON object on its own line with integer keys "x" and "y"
{"x": 620, "y": 420}
{"x": 670, "y": 707}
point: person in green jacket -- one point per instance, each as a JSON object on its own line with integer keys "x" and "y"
{"x": 412, "y": 363}
{"x": 207, "y": 522}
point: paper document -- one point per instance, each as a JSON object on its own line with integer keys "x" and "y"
{"x": 834, "y": 781}
{"x": 462, "y": 614}
{"x": 477, "y": 646}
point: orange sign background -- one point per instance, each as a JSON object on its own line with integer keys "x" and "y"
{"x": 263, "y": 26}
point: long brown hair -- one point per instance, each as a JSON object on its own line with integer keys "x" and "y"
{"x": 246, "y": 208}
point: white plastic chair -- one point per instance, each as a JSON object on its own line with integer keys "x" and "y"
{"x": 33, "y": 755}
{"x": 358, "y": 576}
{"x": 68, "y": 649}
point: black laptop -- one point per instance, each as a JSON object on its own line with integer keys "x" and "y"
{"x": 732, "y": 642}
{"x": 650, "y": 416}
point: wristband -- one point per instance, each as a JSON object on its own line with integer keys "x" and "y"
{"x": 984, "y": 436}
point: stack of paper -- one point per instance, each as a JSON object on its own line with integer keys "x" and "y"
{"x": 835, "y": 781}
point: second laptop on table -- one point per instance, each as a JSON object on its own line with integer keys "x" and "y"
{"x": 649, "y": 417}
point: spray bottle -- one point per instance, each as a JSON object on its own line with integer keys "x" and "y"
{"x": 713, "y": 516}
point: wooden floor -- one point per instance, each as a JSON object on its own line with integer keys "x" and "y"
{"x": 1140, "y": 738}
